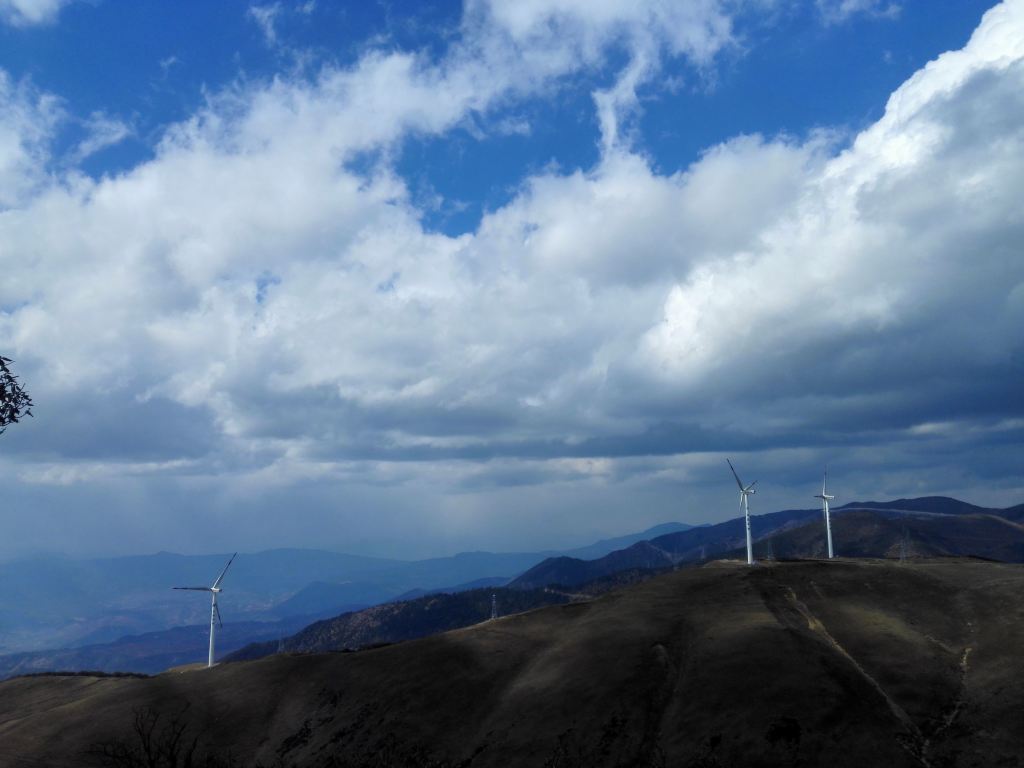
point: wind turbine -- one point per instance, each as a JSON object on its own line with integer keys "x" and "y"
{"x": 825, "y": 499}
{"x": 214, "y": 610}
{"x": 744, "y": 492}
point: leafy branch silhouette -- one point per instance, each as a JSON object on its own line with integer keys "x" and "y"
{"x": 15, "y": 402}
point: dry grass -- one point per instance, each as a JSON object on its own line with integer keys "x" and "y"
{"x": 847, "y": 663}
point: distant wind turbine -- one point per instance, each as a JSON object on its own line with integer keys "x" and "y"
{"x": 825, "y": 499}
{"x": 744, "y": 493}
{"x": 214, "y": 610}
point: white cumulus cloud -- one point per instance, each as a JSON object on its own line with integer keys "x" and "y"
{"x": 25, "y": 13}
{"x": 276, "y": 317}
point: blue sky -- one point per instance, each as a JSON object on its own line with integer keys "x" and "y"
{"x": 486, "y": 275}
{"x": 791, "y": 70}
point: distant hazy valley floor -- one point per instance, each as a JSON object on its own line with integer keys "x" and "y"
{"x": 845, "y": 663}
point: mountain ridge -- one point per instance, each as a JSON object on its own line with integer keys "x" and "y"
{"x": 844, "y": 663}
{"x": 729, "y": 537}
{"x": 258, "y": 582}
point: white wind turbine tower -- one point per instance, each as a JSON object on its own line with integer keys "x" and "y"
{"x": 214, "y": 610}
{"x": 744, "y": 492}
{"x": 825, "y": 499}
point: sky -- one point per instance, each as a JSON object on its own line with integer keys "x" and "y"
{"x": 406, "y": 279}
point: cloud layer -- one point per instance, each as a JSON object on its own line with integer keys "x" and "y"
{"x": 25, "y": 13}
{"x": 259, "y": 313}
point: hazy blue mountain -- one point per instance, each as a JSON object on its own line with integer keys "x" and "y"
{"x": 407, "y": 617}
{"x": 150, "y": 652}
{"x": 484, "y": 583}
{"x": 605, "y": 546}
{"x": 329, "y": 599}
{"x": 78, "y": 602}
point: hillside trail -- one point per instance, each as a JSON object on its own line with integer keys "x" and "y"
{"x": 915, "y": 740}
{"x": 958, "y": 704}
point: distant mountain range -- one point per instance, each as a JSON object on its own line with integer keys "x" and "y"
{"x": 151, "y": 652}
{"x": 913, "y": 528}
{"x": 120, "y": 613}
{"x": 923, "y": 527}
{"x": 406, "y": 608}
{"x": 83, "y": 602}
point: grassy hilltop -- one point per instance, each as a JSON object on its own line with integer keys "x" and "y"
{"x": 844, "y": 663}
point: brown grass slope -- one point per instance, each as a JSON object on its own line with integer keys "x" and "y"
{"x": 403, "y": 620}
{"x": 848, "y": 663}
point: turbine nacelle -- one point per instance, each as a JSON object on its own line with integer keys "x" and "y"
{"x": 746, "y": 491}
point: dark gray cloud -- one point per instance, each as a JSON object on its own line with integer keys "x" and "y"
{"x": 115, "y": 426}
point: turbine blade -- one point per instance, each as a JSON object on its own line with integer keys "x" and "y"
{"x": 824, "y": 480}
{"x": 194, "y": 589}
{"x": 749, "y": 487}
{"x": 740, "y": 484}
{"x": 219, "y": 578}
{"x": 217, "y": 611}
